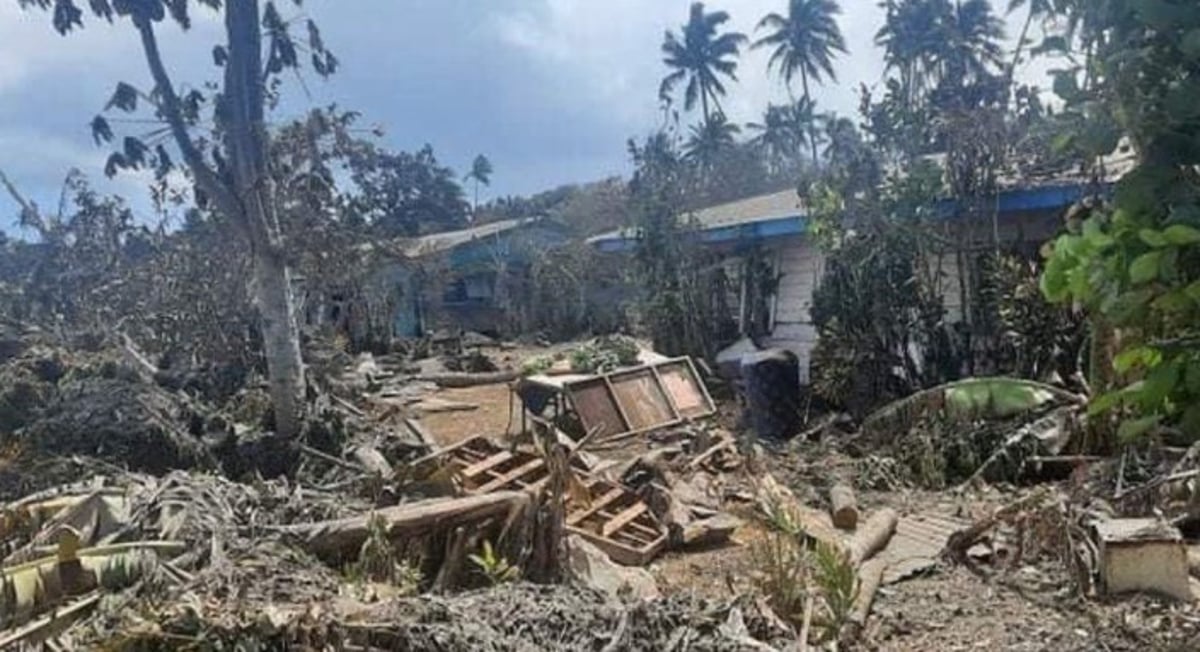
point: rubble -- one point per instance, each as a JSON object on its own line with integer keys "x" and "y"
{"x": 593, "y": 567}
{"x": 373, "y": 536}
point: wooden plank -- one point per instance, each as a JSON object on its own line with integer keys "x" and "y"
{"x": 642, "y": 398}
{"x": 633, "y": 525}
{"x": 596, "y": 506}
{"x": 490, "y": 462}
{"x": 596, "y": 407}
{"x": 663, "y": 387}
{"x": 624, "y": 518}
{"x": 682, "y": 384}
{"x": 612, "y": 393}
{"x": 499, "y": 482}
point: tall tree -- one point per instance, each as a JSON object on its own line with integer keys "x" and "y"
{"x": 911, "y": 39}
{"x": 229, "y": 165}
{"x": 701, "y": 56}
{"x": 481, "y": 172}
{"x": 805, "y": 42}
{"x": 777, "y": 137}
{"x": 1037, "y": 8}
{"x": 708, "y": 141}
{"x": 972, "y": 41}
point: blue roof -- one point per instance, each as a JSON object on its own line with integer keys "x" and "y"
{"x": 1020, "y": 200}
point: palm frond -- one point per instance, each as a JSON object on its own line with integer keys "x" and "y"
{"x": 966, "y": 400}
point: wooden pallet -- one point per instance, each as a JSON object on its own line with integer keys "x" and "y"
{"x": 619, "y": 523}
{"x": 484, "y": 466}
{"x": 612, "y": 517}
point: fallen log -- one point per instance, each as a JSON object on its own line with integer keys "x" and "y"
{"x": 873, "y": 536}
{"x": 464, "y": 379}
{"x": 778, "y": 503}
{"x": 869, "y": 578}
{"x": 342, "y": 538}
{"x": 843, "y": 506}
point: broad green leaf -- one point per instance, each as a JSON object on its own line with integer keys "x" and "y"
{"x": 1144, "y": 356}
{"x": 1129, "y": 306}
{"x": 1159, "y": 384}
{"x": 1175, "y": 301}
{"x": 1054, "y": 279}
{"x": 1193, "y": 291}
{"x": 1095, "y": 236}
{"x": 1153, "y": 237}
{"x": 1145, "y": 267}
{"x": 1133, "y": 428}
{"x": 1181, "y": 234}
{"x": 1105, "y": 402}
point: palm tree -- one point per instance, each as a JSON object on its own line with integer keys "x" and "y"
{"x": 972, "y": 41}
{"x": 777, "y": 137}
{"x": 806, "y": 42}
{"x": 701, "y": 56}
{"x": 481, "y": 172}
{"x": 1036, "y": 8}
{"x": 911, "y": 39}
{"x": 709, "y": 140}
{"x": 928, "y": 41}
{"x": 808, "y": 123}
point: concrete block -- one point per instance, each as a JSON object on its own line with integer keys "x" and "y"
{"x": 1143, "y": 555}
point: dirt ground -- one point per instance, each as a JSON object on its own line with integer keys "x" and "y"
{"x": 490, "y": 418}
{"x": 946, "y": 609}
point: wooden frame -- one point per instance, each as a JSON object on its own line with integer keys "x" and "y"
{"x": 640, "y": 399}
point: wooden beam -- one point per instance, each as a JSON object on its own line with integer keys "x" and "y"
{"x": 624, "y": 518}
{"x": 602, "y": 502}
{"x": 500, "y": 481}
{"x": 487, "y": 463}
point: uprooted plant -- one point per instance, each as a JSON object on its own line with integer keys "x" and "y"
{"x": 806, "y": 582}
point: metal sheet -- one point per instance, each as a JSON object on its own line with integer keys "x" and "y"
{"x": 919, "y": 541}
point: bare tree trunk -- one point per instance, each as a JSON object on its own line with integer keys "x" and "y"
{"x": 246, "y": 140}
{"x": 248, "y": 202}
{"x": 812, "y": 132}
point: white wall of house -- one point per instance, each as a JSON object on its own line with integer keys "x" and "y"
{"x": 799, "y": 265}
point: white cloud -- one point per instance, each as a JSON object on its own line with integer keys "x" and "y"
{"x": 610, "y": 51}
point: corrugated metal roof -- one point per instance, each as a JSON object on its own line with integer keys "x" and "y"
{"x": 439, "y": 242}
{"x": 762, "y": 208}
{"x": 785, "y": 203}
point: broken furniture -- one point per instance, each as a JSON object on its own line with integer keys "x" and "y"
{"x": 609, "y": 516}
{"x": 620, "y": 403}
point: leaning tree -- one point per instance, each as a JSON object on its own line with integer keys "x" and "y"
{"x": 221, "y": 137}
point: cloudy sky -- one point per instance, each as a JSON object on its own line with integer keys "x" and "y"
{"x": 550, "y": 90}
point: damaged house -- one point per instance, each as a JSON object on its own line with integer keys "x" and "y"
{"x": 460, "y": 280}
{"x": 773, "y": 231}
